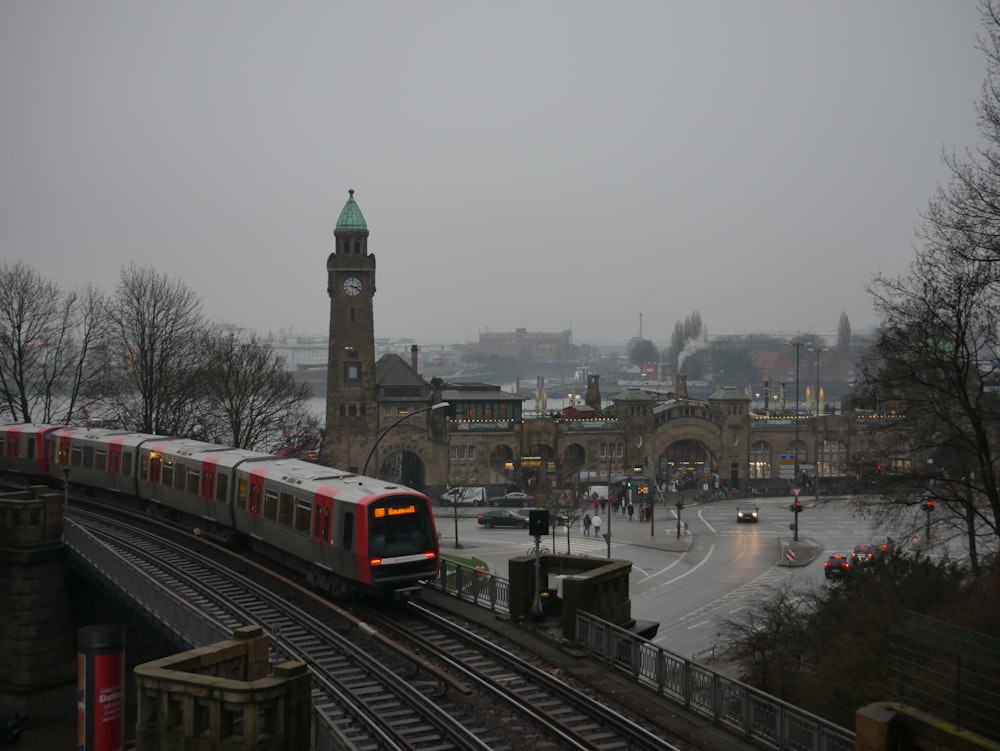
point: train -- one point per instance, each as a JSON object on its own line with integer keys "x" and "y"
{"x": 346, "y": 533}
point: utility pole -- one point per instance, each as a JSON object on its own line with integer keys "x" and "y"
{"x": 795, "y": 450}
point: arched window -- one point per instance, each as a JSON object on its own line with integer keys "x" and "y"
{"x": 760, "y": 461}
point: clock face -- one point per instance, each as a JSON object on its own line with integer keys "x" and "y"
{"x": 352, "y": 285}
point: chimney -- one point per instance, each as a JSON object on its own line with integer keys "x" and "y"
{"x": 413, "y": 356}
{"x": 681, "y": 386}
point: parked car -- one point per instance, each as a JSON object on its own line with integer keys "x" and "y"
{"x": 836, "y": 566}
{"x": 747, "y": 512}
{"x": 502, "y": 517}
{"x": 515, "y": 498}
{"x": 862, "y": 555}
{"x": 883, "y": 545}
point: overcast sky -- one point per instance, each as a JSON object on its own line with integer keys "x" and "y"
{"x": 548, "y": 165}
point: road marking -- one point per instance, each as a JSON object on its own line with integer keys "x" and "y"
{"x": 663, "y": 570}
{"x": 700, "y": 563}
{"x": 701, "y": 515}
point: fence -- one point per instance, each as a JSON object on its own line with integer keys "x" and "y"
{"x": 946, "y": 671}
{"x": 740, "y": 708}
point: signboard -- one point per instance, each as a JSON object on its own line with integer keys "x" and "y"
{"x": 786, "y": 466}
{"x": 790, "y": 554}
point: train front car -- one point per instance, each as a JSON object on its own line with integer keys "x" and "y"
{"x": 399, "y": 542}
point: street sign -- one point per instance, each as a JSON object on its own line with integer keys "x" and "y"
{"x": 790, "y": 554}
{"x": 796, "y": 491}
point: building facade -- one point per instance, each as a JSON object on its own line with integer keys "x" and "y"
{"x": 380, "y": 421}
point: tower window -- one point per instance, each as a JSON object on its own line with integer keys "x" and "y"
{"x": 354, "y": 315}
{"x": 357, "y": 247}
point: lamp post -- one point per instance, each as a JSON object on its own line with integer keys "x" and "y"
{"x": 611, "y": 454}
{"x": 385, "y": 432}
{"x": 817, "y": 350}
{"x": 798, "y": 346}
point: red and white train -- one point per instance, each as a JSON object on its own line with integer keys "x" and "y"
{"x": 344, "y": 531}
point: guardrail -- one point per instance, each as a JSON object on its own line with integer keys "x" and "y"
{"x": 728, "y": 703}
{"x": 474, "y": 585}
{"x": 757, "y": 716}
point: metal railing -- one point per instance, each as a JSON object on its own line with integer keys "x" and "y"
{"x": 474, "y": 585}
{"x": 752, "y": 714}
{"x": 747, "y": 711}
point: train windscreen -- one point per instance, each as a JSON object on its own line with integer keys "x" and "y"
{"x": 400, "y": 526}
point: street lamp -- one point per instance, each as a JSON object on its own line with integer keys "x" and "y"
{"x": 611, "y": 454}
{"x": 385, "y": 432}
{"x": 798, "y": 346}
{"x": 817, "y": 350}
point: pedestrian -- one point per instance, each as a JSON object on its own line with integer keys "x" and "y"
{"x": 631, "y": 509}
{"x": 586, "y": 525}
{"x": 596, "y": 522}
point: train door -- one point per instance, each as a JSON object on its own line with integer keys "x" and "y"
{"x": 255, "y": 503}
{"x": 321, "y": 544}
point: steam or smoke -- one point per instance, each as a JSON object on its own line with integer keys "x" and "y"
{"x": 690, "y": 347}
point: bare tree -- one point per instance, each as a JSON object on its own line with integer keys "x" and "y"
{"x": 158, "y": 326}
{"x": 939, "y": 353}
{"x": 47, "y": 337}
{"x": 251, "y": 399}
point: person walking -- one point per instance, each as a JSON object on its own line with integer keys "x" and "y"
{"x": 631, "y": 510}
{"x": 596, "y": 522}
{"x": 586, "y": 525}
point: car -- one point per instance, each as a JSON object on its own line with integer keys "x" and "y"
{"x": 862, "y": 555}
{"x": 559, "y": 516}
{"x": 883, "y": 545}
{"x": 515, "y": 498}
{"x": 502, "y": 517}
{"x": 747, "y": 512}
{"x": 837, "y": 565}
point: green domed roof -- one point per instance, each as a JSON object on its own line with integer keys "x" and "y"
{"x": 351, "y": 219}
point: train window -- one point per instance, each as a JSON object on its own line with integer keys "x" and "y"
{"x": 193, "y": 480}
{"x": 167, "y": 474}
{"x": 101, "y": 459}
{"x": 348, "y": 542}
{"x": 222, "y": 488}
{"x": 302, "y": 510}
{"x": 286, "y": 509}
{"x": 126, "y": 464}
{"x": 31, "y": 448}
{"x": 144, "y": 467}
{"x": 180, "y": 475}
{"x": 76, "y": 457}
{"x": 270, "y": 505}
{"x": 88, "y": 457}
{"x": 241, "y": 494}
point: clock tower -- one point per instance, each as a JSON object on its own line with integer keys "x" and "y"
{"x": 350, "y": 377}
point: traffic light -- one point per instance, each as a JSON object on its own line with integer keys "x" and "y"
{"x": 928, "y": 505}
{"x": 628, "y": 484}
{"x": 797, "y": 508}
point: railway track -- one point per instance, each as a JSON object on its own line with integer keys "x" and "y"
{"x": 353, "y": 684}
{"x": 544, "y": 707}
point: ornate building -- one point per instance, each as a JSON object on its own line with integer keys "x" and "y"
{"x": 381, "y": 418}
